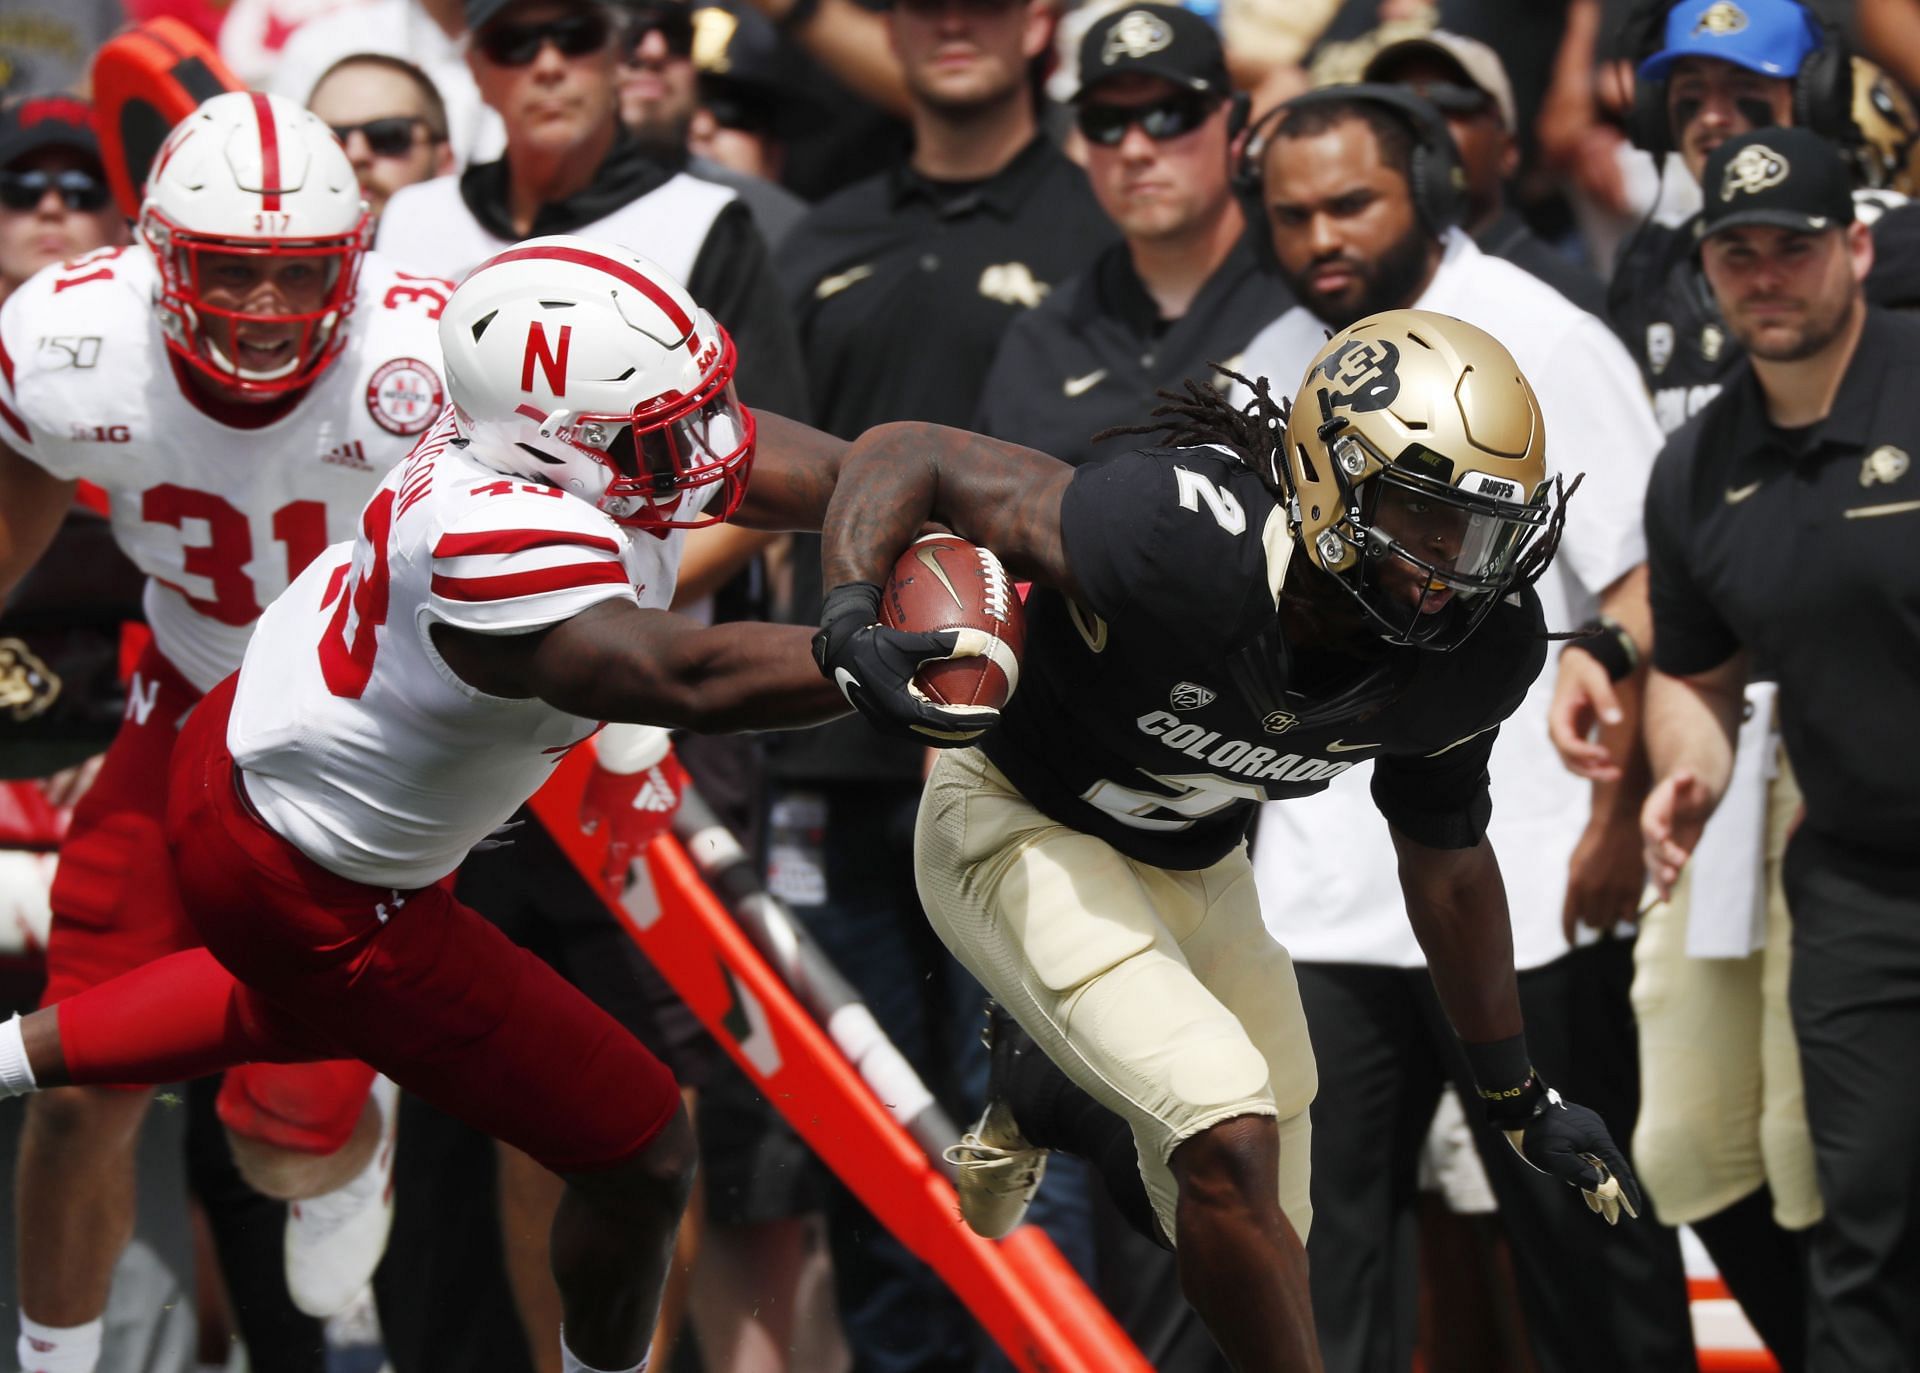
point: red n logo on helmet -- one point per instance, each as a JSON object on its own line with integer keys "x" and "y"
{"x": 553, "y": 364}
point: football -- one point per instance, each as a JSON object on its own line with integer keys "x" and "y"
{"x": 944, "y": 582}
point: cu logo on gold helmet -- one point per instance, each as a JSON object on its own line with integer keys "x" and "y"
{"x": 1365, "y": 374}
{"x": 1752, "y": 170}
{"x": 1722, "y": 19}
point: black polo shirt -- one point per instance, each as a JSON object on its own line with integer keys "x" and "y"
{"x": 1095, "y": 352}
{"x": 1804, "y": 547}
{"x": 902, "y": 286}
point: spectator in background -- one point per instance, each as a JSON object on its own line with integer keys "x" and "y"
{"x": 550, "y": 68}
{"x": 48, "y": 45}
{"x": 903, "y": 285}
{"x": 1182, "y": 289}
{"x": 1464, "y": 79}
{"x": 54, "y": 199}
{"x": 390, "y": 119}
{"x": 1364, "y": 215}
{"x": 1780, "y": 525}
{"x": 1723, "y": 1136}
{"x": 431, "y": 34}
{"x": 662, "y": 89}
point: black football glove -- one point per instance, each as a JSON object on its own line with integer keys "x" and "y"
{"x": 874, "y": 668}
{"x": 1568, "y": 1142}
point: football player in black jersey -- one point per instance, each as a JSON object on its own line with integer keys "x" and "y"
{"x": 1237, "y": 616}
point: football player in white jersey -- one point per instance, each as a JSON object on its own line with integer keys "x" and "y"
{"x": 237, "y": 381}
{"x": 504, "y": 598}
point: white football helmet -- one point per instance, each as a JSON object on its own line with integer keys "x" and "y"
{"x": 256, "y": 221}
{"x": 589, "y": 368}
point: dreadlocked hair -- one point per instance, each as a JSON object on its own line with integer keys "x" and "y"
{"x": 1201, "y": 414}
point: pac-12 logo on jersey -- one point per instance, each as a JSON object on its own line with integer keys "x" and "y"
{"x": 405, "y": 396}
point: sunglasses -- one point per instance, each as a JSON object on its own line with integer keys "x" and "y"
{"x": 1180, "y": 113}
{"x": 389, "y": 137}
{"x": 673, "y": 24}
{"x": 574, "y": 35}
{"x": 78, "y": 190}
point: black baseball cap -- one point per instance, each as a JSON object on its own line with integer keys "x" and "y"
{"x": 47, "y": 121}
{"x": 1167, "y": 41}
{"x": 1790, "y": 178}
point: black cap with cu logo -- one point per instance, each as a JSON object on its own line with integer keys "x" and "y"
{"x": 1789, "y": 178}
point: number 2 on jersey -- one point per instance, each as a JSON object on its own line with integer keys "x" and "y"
{"x": 352, "y": 635}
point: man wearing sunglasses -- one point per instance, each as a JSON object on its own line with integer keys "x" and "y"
{"x": 54, "y": 201}
{"x": 1157, "y": 114}
{"x": 1466, "y": 81}
{"x": 1362, "y": 207}
{"x": 551, "y": 70}
{"x": 392, "y": 122}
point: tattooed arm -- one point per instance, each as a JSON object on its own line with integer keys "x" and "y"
{"x": 895, "y": 478}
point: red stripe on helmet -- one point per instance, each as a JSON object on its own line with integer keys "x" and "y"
{"x": 269, "y": 153}
{"x": 613, "y": 268}
{"x": 6, "y": 364}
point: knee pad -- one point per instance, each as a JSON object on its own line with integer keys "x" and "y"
{"x": 310, "y": 1108}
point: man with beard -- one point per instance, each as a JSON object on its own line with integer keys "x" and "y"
{"x": 1356, "y": 188}
{"x": 902, "y": 286}
{"x": 1780, "y": 531}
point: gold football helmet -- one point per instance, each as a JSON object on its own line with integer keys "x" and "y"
{"x": 1889, "y": 146}
{"x": 1415, "y": 472}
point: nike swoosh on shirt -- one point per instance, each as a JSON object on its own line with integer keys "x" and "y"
{"x": 1867, "y": 512}
{"x": 1342, "y": 746}
{"x": 1079, "y": 386}
{"x": 834, "y": 285}
{"x": 1736, "y": 494}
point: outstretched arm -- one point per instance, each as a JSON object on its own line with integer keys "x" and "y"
{"x": 898, "y": 477}
{"x": 615, "y": 661}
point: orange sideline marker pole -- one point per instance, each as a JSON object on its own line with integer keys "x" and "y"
{"x": 1025, "y": 1295}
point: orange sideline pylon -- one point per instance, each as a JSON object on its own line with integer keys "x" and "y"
{"x": 1021, "y": 1290}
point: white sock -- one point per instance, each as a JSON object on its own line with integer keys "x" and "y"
{"x": 58, "y": 1349}
{"x": 16, "y": 1074}
{"x": 570, "y": 1362}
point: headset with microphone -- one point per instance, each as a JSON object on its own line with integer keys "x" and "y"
{"x": 1435, "y": 179}
{"x": 1822, "y": 88}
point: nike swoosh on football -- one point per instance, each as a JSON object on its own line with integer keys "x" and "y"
{"x": 932, "y": 561}
{"x": 1342, "y": 746}
{"x": 1736, "y": 494}
{"x": 1079, "y": 386}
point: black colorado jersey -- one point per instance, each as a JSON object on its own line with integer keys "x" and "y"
{"x": 1660, "y": 305}
{"x": 1156, "y": 715}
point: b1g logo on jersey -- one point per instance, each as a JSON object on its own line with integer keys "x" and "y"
{"x": 405, "y": 396}
{"x": 1366, "y": 373}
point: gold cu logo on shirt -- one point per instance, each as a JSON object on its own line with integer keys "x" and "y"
{"x": 1722, "y": 19}
{"x": 1752, "y": 170}
{"x": 27, "y": 685}
{"x": 1137, "y": 35}
{"x": 1885, "y": 464}
{"x": 1012, "y": 283}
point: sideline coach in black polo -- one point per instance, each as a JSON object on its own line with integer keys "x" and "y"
{"x": 1783, "y": 525}
{"x": 1158, "y": 116}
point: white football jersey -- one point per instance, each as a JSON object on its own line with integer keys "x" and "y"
{"x": 219, "y": 518}
{"x": 359, "y": 744}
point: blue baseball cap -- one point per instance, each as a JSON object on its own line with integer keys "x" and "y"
{"x": 1771, "y": 37}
